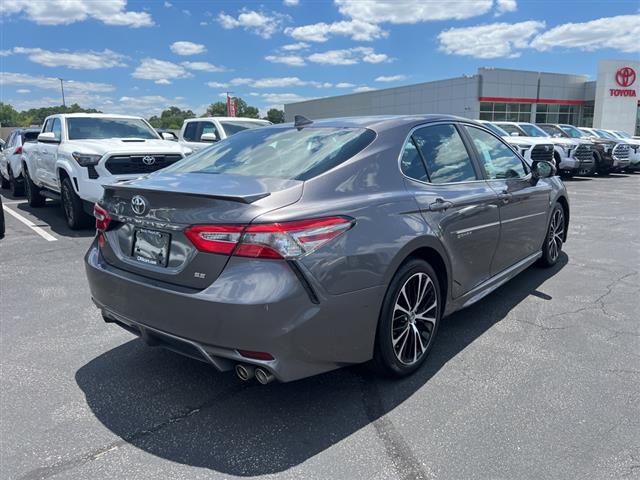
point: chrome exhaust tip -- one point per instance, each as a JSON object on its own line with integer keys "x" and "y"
{"x": 245, "y": 372}
{"x": 264, "y": 376}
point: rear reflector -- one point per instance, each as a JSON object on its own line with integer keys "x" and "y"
{"x": 103, "y": 219}
{"x": 255, "y": 355}
{"x": 285, "y": 240}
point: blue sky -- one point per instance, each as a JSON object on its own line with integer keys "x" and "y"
{"x": 141, "y": 57}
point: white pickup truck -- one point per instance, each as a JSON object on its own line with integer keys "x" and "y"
{"x": 76, "y": 154}
{"x": 198, "y": 133}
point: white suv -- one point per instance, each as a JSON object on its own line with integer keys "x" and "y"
{"x": 11, "y": 158}
{"x": 76, "y": 154}
{"x": 198, "y": 133}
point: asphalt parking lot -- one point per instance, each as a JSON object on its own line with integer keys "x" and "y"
{"x": 539, "y": 380}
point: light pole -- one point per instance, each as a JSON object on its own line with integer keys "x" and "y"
{"x": 62, "y": 88}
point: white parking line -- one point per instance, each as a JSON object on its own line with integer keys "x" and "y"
{"x": 46, "y": 235}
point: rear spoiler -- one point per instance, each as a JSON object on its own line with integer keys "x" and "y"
{"x": 247, "y": 199}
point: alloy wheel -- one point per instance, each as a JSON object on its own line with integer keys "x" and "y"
{"x": 556, "y": 233}
{"x": 414, "y": 318}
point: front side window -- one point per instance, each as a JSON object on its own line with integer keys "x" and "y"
{"x": 84, "y": 128}
{"x": 56, "y": 129}
{"x": 411, "y": 163}
{"x": 194, "y": 130}
{"x": 510, "y": 129}
{"x": 444, "y": 153}
{"x": 499, "y": 160}
{"x": 281, "y": 152}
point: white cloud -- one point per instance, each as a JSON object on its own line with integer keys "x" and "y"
{"x": 217, "y": 85}
{"x": 23, "y": 90}
{"x": 168, "y": 4}
{"x": 252, "y": 21}
{"x": 295, "y": 46}
{"x": 203, "y": 67}
{"x": 52, "y": 83}
{"x": 291, "y": 3}
{"x": 504, "y": 6}
{"x": 392, "y": 78}
{"x": 65, "y": 12}
{"x": 349, "y": 56}
{"x": 489, "y": 41}
{"x": 344, "y": 85}
{"x": 620, "y": 33}
{"x": 291, "y": 60}
{"x": 363, "y": 88}
{"x": 277, "y": 100}
{"x": 6, "y": 53}
{"x": 279, "y": 82}
{"x": 146, "y": 105}
{"x": 161, "y": 71}
{"x": 187, "y": 48}
{"x": 412, "y": 11}
{"x": 77, "y": 60}
{"x": 358, "y": 30}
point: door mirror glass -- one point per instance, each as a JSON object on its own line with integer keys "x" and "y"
{"x": 209, "y": 137}
{"x": 543, "y": 170}
{"x": 48, "y": 137}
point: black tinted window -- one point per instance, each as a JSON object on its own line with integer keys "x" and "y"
{"x": 444, "y": 152}
{"x": 411, "y": 163}
{"x": 194, "y": 130}
{"x": 281, "y": 152}
{"x": 498, "y": 159}
{"x": 29, "y": 136}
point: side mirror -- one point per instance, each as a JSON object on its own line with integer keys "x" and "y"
{"x": 48, "y": 137}
{"x": 168, "y": 136}
{"x": 209, "y": 137}
{"x": 542, "y": 170}
{"x": 515, "y": 134}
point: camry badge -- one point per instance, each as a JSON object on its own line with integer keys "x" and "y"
{"x": 138, "y": 205}
{"x": 148, "y": 160}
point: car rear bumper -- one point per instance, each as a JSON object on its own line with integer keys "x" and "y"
{"x": 255, "y": 305}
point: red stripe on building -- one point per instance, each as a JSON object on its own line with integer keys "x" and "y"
{"x": 531, "y": 100}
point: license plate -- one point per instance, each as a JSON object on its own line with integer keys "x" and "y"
{"x": 151, "y": 247}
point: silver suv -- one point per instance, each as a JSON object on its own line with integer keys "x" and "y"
{"x": 294, "y": 249}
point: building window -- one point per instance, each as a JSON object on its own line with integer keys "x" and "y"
{"x": 557, "y": 113}
{"x": 586, "y": 119}
{"x": 505, "y": 112}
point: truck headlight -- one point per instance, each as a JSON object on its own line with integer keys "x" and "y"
{"x": 86, "y": 159}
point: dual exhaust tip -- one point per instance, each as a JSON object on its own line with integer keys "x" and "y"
{"x": 247, "y": 372}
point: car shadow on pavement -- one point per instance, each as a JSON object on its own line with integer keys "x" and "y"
{"x": 51, "y": 215}
{"x": 184, "y": 411}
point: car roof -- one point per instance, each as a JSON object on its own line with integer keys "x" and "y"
{"x": 383, "y": 122}
{"x": 93, "y": 115}
{"x": 244, "y": 119}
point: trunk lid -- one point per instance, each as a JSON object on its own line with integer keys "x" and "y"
{"x": 165, "y": 204}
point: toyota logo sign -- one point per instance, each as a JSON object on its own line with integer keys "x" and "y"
{"x": 138, "y": 205}
{"x": 148, "y": 160}
{"x": 625, "y": 76}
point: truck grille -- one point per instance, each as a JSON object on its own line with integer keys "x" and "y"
{"x": 621, "y": 152}
{"x": 584, "y": 153}
{"x": 542, "y": 153}
{"x": 131, "y": 164}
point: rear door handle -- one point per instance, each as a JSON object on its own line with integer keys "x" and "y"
{"x": 505, "y": 196}
{"x": 440, "y": 205}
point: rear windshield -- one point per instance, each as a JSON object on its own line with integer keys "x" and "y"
{"x": 231, "y": 127}
{"x": 30, "y": 136}
{"x": 282, "y": 152}
{"x": 81, "y": 128}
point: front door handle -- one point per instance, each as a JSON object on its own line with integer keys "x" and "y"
{"x": 440, "y": 205}
{"x": 505, "y": 196}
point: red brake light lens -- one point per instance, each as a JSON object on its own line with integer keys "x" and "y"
{"x": 18, "y": 151}
{"x": 103, "y": 219}
{"x": 285, "y": 240}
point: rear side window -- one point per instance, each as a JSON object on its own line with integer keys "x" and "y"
{"x": 411, "y": 163}
{"x": 444, "y": 153}
{"x": 282, "y": 152}
{"x": 29, "y": 137}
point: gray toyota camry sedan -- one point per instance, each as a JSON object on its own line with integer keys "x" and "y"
{"x": 290, "y": 250}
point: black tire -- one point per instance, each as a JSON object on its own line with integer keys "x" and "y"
{"x": 601, "y": 170}
{"x": 1, "y": 219}
{"x": 32, "y": 191}
{"x": 554, "y": 239}
{"x": 4, "y": 183}
{"x": 72, "y": 207}
{"x": 387, "y": 356}
{"x": 17, "y": 187}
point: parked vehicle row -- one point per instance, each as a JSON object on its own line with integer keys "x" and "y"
{"x": 11, "y": 158}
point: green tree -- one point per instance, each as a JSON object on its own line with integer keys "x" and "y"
{"x": 35, "y": 116}
{"x": 219, "y": 109}
{"x": 9, "y": 117}
{"x": 172, "y": 117}
{"x": 275, "y": 115}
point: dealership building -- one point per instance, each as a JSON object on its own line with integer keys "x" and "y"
{"x": 610, "y": 101}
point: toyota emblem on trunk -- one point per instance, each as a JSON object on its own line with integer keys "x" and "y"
{"x": 148, "y": 160}
{"x": 138, "y": 205}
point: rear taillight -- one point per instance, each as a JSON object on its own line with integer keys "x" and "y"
{"x": 286, "y": 240}
{"x": 18, "y": 151}
{"x": 103, "y": 219}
